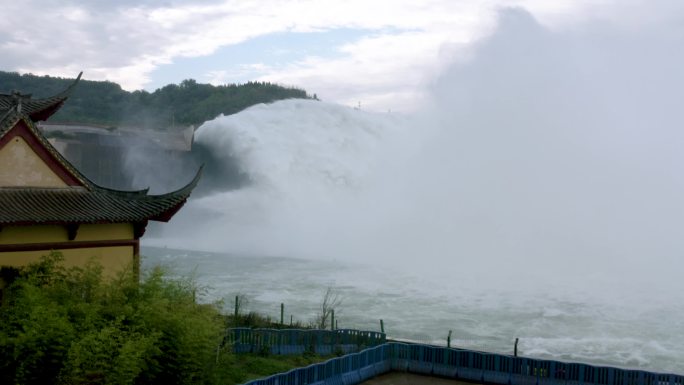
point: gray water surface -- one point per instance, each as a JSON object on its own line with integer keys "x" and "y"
{"x": 576, "y": 326}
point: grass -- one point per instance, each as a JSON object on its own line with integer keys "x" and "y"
{"x": 255, "y": 320}
{"x": 240, "y": 368}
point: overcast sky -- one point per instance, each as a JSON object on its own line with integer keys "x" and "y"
{"x": 383, "y": 54}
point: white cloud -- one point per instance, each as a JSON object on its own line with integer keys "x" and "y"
{"x": 242, "y": 72}
{"x": 126, "y": 43}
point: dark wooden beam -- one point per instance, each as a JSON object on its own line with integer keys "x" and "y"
{"x": 72, "y": 230}
{"x": 139, "y": 229}
{"x": 70, "y": 245}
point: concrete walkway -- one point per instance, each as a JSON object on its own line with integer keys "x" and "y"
{"x": 396, "y": 378}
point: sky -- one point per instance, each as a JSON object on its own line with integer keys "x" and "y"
{"x": 381, "y": 54}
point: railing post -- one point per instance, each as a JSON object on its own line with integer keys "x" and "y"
{"x": 237, "y": 307}
{"x": 449, "y": 339}
{"x": 382, "y": 326}
{"x": 282, "y": 314}
{"x": 515, "y": 348}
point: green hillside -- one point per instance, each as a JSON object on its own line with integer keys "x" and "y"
{"x": 187, "y": 103}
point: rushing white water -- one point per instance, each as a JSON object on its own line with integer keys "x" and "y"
{"x": 539, "y": 197}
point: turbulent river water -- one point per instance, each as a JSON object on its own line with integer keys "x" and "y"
{"x": 573, "y": 326}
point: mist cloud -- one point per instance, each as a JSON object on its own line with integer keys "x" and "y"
{"x": 565, "y": 146}
{"x": 546, "y": 153}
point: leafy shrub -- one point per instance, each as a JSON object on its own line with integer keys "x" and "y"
{"x": 72, "y": 326}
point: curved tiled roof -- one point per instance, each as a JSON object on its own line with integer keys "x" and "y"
{"x": 82, "y": 201}
{"x": 37, "y": 109}
{"x": 22, "y": 205}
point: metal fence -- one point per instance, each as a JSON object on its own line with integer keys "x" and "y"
{"x": 462, "y": 364}
{"x": 298, "y": 341}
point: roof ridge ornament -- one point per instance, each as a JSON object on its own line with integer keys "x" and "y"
{"x": 17, "y": 98}
{"x": 36, "y": 109}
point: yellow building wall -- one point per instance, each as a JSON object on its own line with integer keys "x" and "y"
{"x": 21, "y": 166}
{"x": 105, "y": 231}
{"x": 112, "y": 258}
{"x": 13, "y": 235}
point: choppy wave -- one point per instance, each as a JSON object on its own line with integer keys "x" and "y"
{"x": 548, "y": 328}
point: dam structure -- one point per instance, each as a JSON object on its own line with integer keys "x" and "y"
{"x": 112, "y": 156}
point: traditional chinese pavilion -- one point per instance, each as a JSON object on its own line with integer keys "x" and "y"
{"x": 46, "y": 204}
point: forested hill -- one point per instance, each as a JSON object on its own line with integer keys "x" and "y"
{"x": 187, "y": 103}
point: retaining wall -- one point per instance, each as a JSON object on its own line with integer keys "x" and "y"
{"x": 462, "y": 364}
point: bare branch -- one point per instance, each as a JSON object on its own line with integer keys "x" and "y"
{"x": 331, "y": 301}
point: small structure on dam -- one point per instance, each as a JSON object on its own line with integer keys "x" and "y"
{"x": 48, "y": 204}
{"x": 120, "y": 157}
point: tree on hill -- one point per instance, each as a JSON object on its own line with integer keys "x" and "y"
{"x": 187, "y": 103}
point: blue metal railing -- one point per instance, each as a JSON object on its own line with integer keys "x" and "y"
{"x": 351, "y": 369}
{"x": 462, "y": 364}
{"x": 298, "y": 341}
